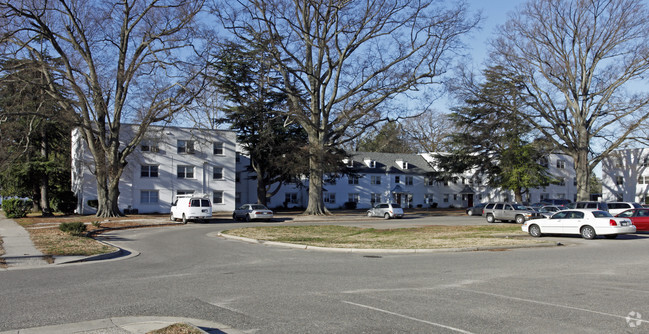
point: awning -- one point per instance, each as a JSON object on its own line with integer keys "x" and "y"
{"x": 397, "y": 189}
{"x": 467, "y": 191}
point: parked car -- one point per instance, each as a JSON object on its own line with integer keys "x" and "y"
{"x": 639, "y": 218}
{"x": 548, "y": 210}
{"x": 386, "y": 210}
{"x": 584, "y": 222}
{"x": 556, "y": 201}
{"x": 588, "y": 205}
{"x": 476, "y": 210}
{"x": 616, "y": 207}
{"x": 250, "y": 212}
{"x": 191, "y": 207}
{"x": 509, "y": 212}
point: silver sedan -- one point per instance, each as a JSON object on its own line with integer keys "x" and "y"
{"x": 250, "y": 212}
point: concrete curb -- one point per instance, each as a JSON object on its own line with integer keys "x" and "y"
{"x": 378, "y": 250}
{"x": 119, "y": 254}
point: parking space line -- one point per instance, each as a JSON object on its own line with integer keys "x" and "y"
{"x": 408, "y": 317}
{"x": 553, "y": 305}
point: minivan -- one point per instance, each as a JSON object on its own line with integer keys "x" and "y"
{"x": 191, "y": 207}
{"x": 616, "y": 207}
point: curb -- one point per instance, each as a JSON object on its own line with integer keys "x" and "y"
{"x": 378, "y": 250}
{"x": 120, "y": 253}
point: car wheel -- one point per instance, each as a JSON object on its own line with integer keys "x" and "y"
{"x": 588, "y": 232}
{"x": 490, "y": 218}
{"x": 248, "y": 218}
{"x": 171, "y": 217}
{"x": 369, "y": 214}
{"x": 184, "y": 219}
{"x": 535, "y": 231}
{"x": 469, "y": 212}
{"x": 386, "y": 216}
{"x": 234, "y": 217}
{"x": 611, "y": 236}
{"x": 520, "y": 219}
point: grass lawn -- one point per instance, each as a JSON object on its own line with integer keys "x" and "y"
{"x": 45, "y": 233}
{"x": 430, "y": 237}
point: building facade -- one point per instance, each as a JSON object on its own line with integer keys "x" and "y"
{"x": 410, "y": 180}
{"x": 169, "y": 161}
{"x": 625, "y": 176}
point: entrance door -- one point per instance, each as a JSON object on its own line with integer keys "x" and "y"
{"x": 469, "y": 198}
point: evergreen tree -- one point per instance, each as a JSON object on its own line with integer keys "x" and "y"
{"x": 35, "y": 140}
{"x": 257, "y": 112}
{"x": 494, "y": 139}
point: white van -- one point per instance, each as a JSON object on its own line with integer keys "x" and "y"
{"x": 191, "y": 207}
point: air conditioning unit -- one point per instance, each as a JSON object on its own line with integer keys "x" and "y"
{"x": 155, "y": 149}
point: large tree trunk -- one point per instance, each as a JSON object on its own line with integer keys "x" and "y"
{"x": 582, "y": 170}
{"x": 518, "y": 195}
{"x": 46, "y": 211}
{"x": 316, "y": 175}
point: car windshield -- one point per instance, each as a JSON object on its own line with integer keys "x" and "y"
{"x": 601, "y": 214}
{"x": 258, "y": 207}
{"x": 519, "y": 207}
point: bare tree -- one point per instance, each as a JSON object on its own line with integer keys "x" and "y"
{"x": 120, "y": 61}
{"x": 430, "y": 131}
{"x": 350, "y": 64}
{"x": 579, "y": 60}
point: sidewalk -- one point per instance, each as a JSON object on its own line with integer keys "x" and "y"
{"x": 19, "y": 248}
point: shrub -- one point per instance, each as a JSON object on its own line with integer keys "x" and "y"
{"x": 76, "y": 228}
{"x": 16, "y": 207}
{"x": 350, "y": 205}
{"x": 64, "y": 202}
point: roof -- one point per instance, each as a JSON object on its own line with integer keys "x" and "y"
{"x": 393, "y": 163}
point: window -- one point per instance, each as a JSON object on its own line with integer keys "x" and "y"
{"x": 619, "y": 180}
{"x": 375, "y": 198}
{"x": 218, "y": 148}
{"x": 409, "y": 180}
{"x": 561, "y": 164}
{"x": 352, "y": 179}
{"x": 645, "y": 161}
{"x": 184, "y": 192}
{"x": 217, "y": 197}
{"x": 376, "y": 180}
{"x": 148, "y": 196}
{"x": 185, "y": 146}
{"x": 429, "y": 198}
{"x": 619, "y": 162}
{"x": 149, "y": 171}
{"x": 446, "y": 198}
{"x": 643, "y": 179}
{"x": 330, "y": 197}
{"x": 217, "y": 173}
{"x": 354, "y": 197}
{"x": 544, "y": 162}
{"x": 562, "y": 181}
{"x": 237, "y": 177}
{"x": 147, "y": 146}
{"x": 397, "y": 179}
{"x": 290, "y": 198}
{"x": 185, "y": 172}
{"x": 429, "y": 181}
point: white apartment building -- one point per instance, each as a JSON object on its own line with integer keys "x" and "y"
{"x": 170, "y": 161}
{"x": 410, "y": 180}
{"x": 625, "y": 176}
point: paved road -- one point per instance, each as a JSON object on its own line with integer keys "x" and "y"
{"x": 184, "y": 271}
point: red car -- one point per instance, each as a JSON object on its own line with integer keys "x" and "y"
{"x": 639, "y": 217}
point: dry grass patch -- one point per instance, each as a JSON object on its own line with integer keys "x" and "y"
{"x": 51, "y": 241}
{"x": 401, "y": 238}
{"x": 179, "y": 328}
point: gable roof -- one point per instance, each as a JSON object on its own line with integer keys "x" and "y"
{"x": 387, "y": 163}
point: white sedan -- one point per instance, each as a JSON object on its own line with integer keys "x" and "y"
{"x": 249, "y": 212}
{"x": 587, "y": 223}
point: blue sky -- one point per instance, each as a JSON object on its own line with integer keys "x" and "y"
{"x": 494, "y": 14}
